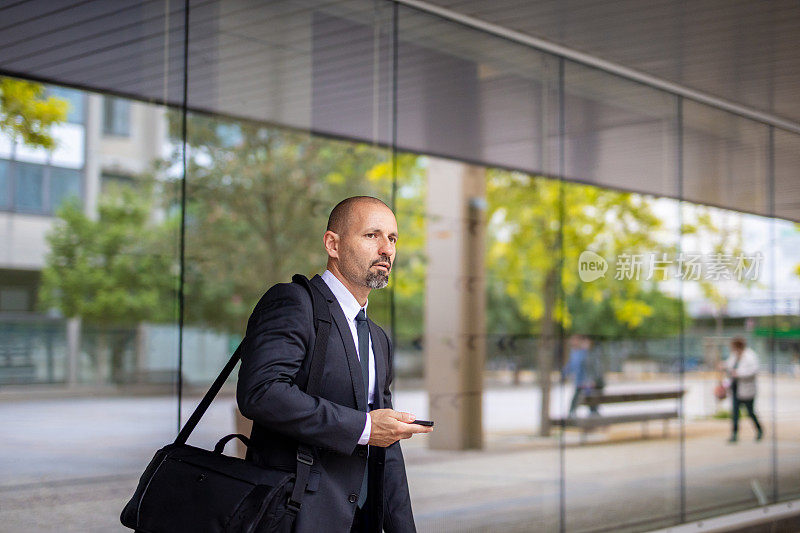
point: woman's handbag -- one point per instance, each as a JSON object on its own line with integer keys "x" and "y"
{"x": 186, "y": 489}
{"x": 720, "y": 391}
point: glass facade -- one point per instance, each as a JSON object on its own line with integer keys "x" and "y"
{"x": 116, "y": 116}
{"x": 577, "y": 251}
{"x": 29, "y": 188}
{"x": 76, "y": 100}
{"x": 37, "y": 189}
{"x": 5, "y": 183}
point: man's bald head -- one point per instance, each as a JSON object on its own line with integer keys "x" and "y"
{"x": 340, "y": 217}
{"x": 361, "y": 244}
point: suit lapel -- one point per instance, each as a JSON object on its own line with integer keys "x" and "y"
{"x": 347, "y": 339}
{"x": 381, "y": 360}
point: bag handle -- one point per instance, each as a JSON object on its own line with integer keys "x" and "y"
{"x": 220, "y": 447}
{"x": 322, "y": 319}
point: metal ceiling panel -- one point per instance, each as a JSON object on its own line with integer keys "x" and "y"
{"x": 739, "y": 50}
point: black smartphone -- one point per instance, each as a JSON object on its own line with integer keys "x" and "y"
{"x": 428, "y": 423}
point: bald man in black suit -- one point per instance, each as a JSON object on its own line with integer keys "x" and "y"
{"x": 358, "y": 480}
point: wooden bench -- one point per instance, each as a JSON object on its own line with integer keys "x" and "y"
{"x": 597, "y": 398}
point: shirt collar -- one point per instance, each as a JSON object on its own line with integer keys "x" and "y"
{"x": 346, "y": 300}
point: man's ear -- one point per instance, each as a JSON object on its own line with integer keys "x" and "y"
{"x": 331, "y": 242}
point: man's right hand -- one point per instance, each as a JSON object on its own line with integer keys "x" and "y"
{"x": 389, "y": 426}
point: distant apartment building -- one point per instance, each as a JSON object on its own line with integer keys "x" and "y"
{"x": 104, "y": 139}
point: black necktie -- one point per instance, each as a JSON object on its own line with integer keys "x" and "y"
{"x": 362, "y": 328}
{"x": 363, "y": 349}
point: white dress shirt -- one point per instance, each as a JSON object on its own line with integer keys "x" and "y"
{"x": 351, "y": 308}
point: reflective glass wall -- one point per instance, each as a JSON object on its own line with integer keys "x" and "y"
{"x": 577, "y": 251}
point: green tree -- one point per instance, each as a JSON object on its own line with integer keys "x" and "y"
{"x": 528, "y": 241}
{"x": 113, "y": 271}
{"x": 257, "y": 200}
{"x": 27, "y": 114}
{"x": 723, "y": 233}
{"x": 597, "y": 317}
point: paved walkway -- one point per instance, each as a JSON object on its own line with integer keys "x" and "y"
{"x": 70, "y": 464}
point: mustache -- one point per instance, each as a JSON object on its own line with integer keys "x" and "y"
{"x": 383, "y": 259}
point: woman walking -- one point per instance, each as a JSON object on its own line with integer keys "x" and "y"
{"x": 742, "y": 368}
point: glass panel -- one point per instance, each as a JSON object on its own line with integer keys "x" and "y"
{"x": 469, "y": 95}
{"x": 725, "y": 160}
{"x": 65, "y": 183}
{"x": 782, "y": 333}
{"x": 29, "y": 187}
{"x": 619, "y": 133}
{"x": 88, "y": 296}
{"x": 259, "y": 196}
{"x": 521, "y": 284}
{"x": 102, "y": 318}
{"x": 728, "y": 297}
{"x": 466, "y": 95}
{"x": 726, "y": 163}
{"x": 116, "y": 116}
{"x": 621, "y": 389}
{"x": 619, "y": 353}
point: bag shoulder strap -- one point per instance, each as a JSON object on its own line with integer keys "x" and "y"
{"x": 322, "y": 325}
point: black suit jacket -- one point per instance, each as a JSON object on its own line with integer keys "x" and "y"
{"x": 272, "y": 377}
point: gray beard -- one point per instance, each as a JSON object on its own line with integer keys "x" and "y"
{"x": 377, "y": 280}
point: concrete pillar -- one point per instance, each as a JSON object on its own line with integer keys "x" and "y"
{"x": 455, "y": 303}
{"x": 73, "y": 350}
{"x": 92, "y": 164}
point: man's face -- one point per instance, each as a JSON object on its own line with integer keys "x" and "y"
{"x": 367, "y": 245}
